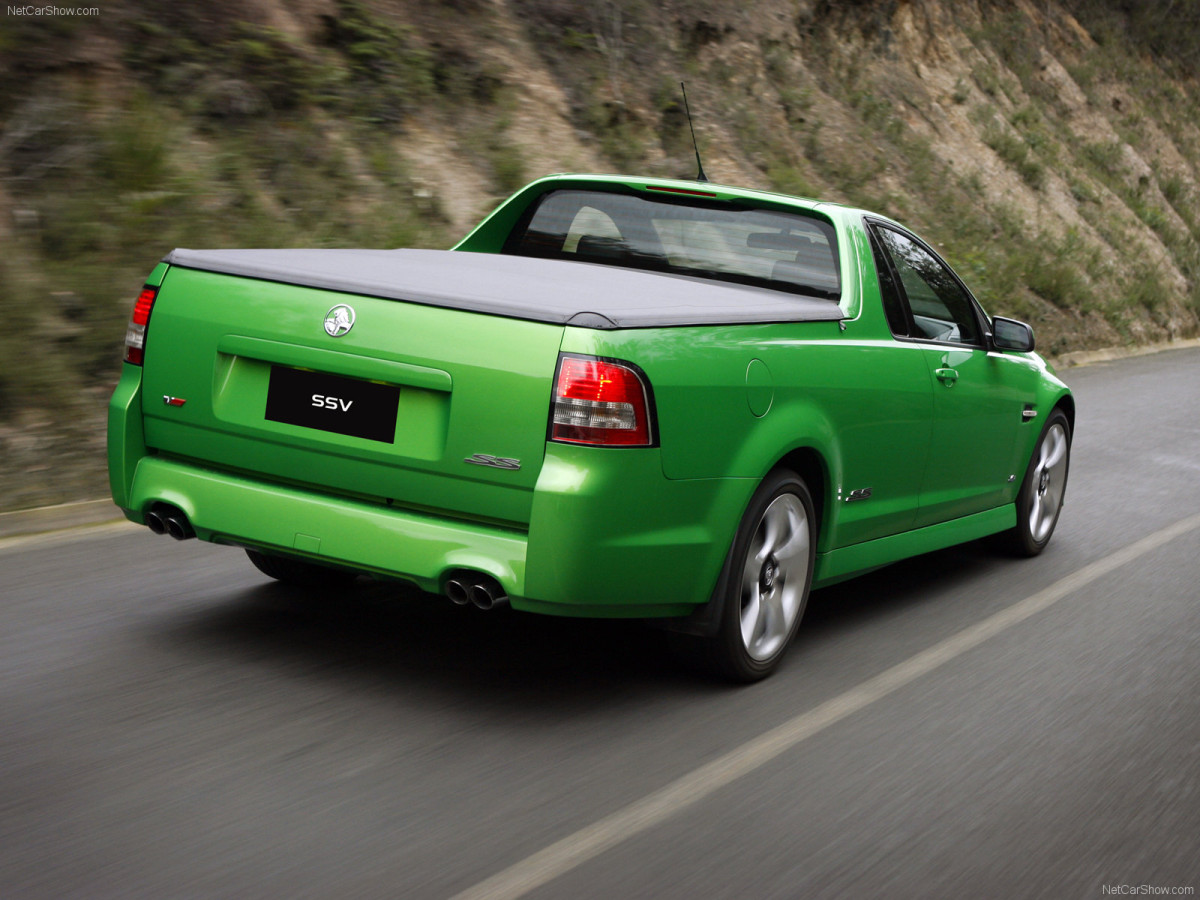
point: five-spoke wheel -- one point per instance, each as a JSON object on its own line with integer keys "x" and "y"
{"x": 1041, "y": 497}
{"x": 775, "y": 576}
{"x": 764, "y": 586}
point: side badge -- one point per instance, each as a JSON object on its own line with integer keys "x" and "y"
{"x": 496, "y": 462}
{"x": 173, "y": 401}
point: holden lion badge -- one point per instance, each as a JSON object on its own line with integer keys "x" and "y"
{"x": 339, "y": 320}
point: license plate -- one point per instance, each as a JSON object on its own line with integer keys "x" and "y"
{"x": 332, "y": 403}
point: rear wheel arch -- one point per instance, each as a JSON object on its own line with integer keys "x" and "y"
{"x": 812, "y": 467}
{"x": 743, "y": 632}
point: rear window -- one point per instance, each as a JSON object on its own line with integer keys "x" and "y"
{"x": 778, "y": 250}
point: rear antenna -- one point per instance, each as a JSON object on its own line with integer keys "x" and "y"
{"x": 699, "y": 165}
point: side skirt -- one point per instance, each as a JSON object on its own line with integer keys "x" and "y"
{"x": 846, "y": 562}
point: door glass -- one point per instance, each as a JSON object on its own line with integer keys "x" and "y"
{"x": 893, "y": 304}
{"x": 941, "y": 310}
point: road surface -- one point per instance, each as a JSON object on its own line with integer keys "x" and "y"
{"x": 172, "y": 724}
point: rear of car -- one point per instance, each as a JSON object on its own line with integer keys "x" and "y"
{"x": 435, "y": 416}
{"x": 265, "y": 429}
{"x": 401, "y": 439}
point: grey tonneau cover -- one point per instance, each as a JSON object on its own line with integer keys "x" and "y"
{"x": 542, "y": 290}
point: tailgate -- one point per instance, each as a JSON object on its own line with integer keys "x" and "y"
{"x": 267, "y": 392}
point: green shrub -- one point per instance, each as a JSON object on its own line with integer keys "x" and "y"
{"x": 1082, "y": 192}
{"x": 390, "y": 74}
{"x": 273, "y": 63}
{"x": 134, "y": 147}
{"x": 1145, "y": 289}
{"x": 787, "y": 179}
{"x": 1103, "y": 156}
{"x": 1172, "y": 188}
{"x": 1015, "y": 151}
{"x": 1054, "y": 277}
{"x": 508, "y": 166}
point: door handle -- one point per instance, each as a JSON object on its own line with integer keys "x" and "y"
{"x": 946, "y": 376}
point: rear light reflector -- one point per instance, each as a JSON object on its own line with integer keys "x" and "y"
{"x": 135, "y": 335}
{"x": 601, "y": 401}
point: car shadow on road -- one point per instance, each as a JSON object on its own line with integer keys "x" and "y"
{"x": 917, "y": 581}
{"x": 404, "y": 636}
{"x": 388, "y": 630}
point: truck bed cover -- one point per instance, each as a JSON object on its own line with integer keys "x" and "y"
{"x": 555, "y": 291}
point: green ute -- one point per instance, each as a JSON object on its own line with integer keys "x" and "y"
{"x": 615, "y": 397}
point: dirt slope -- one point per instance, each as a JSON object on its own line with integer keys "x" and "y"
{"x": 1055, "y": 161}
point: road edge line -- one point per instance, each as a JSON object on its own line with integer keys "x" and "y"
{"x": 61, "y": 516}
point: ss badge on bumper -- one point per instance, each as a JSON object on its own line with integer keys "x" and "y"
{"x": 496, "y": 462}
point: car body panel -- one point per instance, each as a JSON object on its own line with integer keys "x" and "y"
{"x": 215, "y": 338}
{"x": 977, "y": 425}
{"x": 225, "y": 507}
{"x": 846, "y": 562}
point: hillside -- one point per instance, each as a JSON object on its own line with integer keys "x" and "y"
{"x": 1051, "y": 151}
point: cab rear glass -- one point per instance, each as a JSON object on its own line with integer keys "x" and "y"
{"x": 744, "y": 245}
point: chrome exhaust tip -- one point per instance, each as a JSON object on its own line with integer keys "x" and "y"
{"x": 179, "y": 527}
{"x": 488, "y": 594}
{"x": 467, "y": 588}
{"x": 458, "y": 592}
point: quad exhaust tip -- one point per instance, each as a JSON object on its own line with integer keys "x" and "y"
{"x": 164, "y": 519}
{"x": 487, "y": 595}
{"x": 179, "y": 527}
{"x": 155, "y": 522}
{"x": 458, "y": 592}
{"x": 477, "y": 589}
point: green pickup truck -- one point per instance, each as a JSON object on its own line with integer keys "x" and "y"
{"x": 615, "y": 397}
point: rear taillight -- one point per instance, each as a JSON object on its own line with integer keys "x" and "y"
{"x": 601, "y": 401}
{"x": 135, "y": 336}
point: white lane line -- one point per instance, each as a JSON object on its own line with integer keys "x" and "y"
{"x": 641, "y": 815}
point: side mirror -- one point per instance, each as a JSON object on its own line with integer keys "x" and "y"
{"x": 1009, "y": 334}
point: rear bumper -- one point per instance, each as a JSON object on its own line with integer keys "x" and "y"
{"x": 609, "y": 535}
{"x": 227, "y": 508}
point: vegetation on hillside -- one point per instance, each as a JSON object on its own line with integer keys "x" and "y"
{"x": 1053, "y": 152}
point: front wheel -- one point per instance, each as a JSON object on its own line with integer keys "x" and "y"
{"x": 1041, "y": 498}
{"x": 765, "y": 583}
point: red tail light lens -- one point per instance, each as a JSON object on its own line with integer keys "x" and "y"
{"x": 599, "y": 401}
{"x": 135, "y": 336}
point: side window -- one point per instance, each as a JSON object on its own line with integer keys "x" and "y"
{"x": 893, "y": 304}
{"x": 941, "y": 310}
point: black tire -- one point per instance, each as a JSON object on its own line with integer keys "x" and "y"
{"x": 765, "y": 582}
{"x": 1043, "y": 489}
{"x": 297, "y": 571}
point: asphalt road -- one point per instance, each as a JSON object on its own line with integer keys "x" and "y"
{"x": 959, "y": 725}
